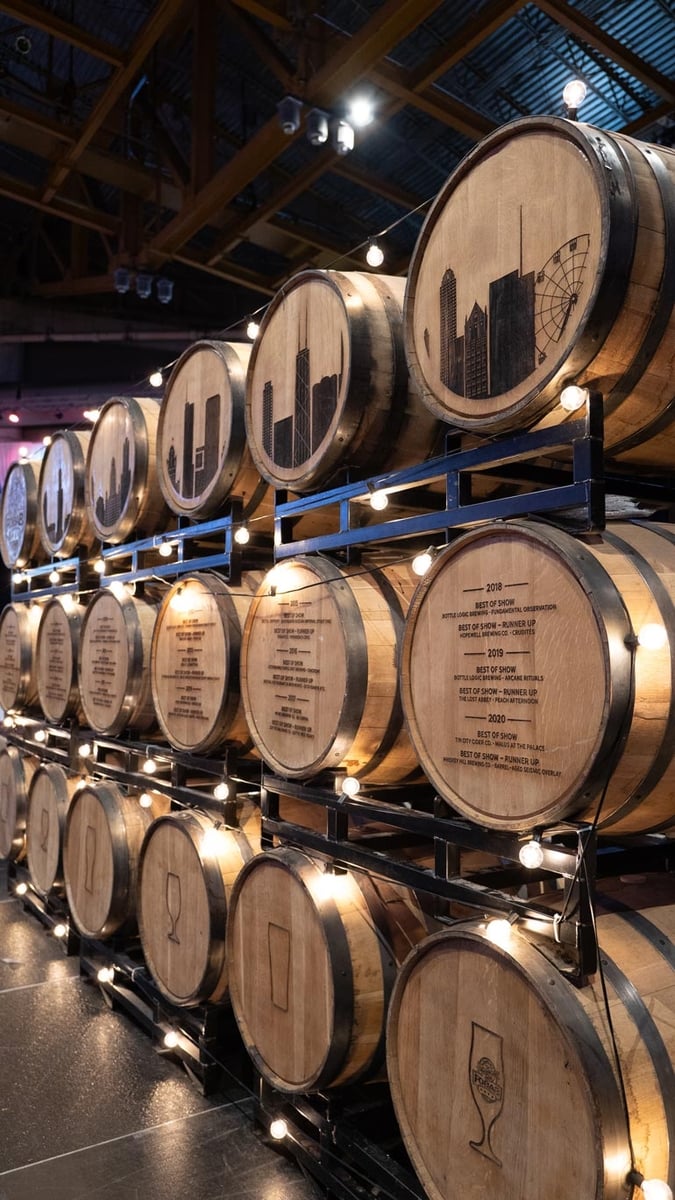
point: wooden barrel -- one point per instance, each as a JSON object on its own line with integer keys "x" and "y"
{"x": 18, "y": 635}
{"x": 19, "y": 533}
{"x": 327, "y": 385}
{"x": 202, "y": 455}
{"x": 188, "y": 867}
{"x": 104, "y": 833}
{"x": 525, "y": 691}
{"x": 569, "y": 238}
{"x": 114, "y": 662}
{"x": 56, "y": 654}
{"x": 502, "y": 1073}
{"x": 312, "y": 959}
{"x": 318, "y": 670}
{"x": 63, "y": 522}
{"x": 195, "y": 662}
{"x": 122, "y": 491}
{"x": 16, "y": 772}
{"x": 49, "y": 797}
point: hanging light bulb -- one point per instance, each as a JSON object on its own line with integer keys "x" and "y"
{"x": 499, "y": 931}
{"x": 574, "y": 94}
{"x": 54, "y": 577}
{"x": 145, "y": 800}
{"x": 572, "y": 397}
{"x": 374, "y": 254}
{"x": 14, "y": 418}
{"x": 379, "y": 500}
{"x": 46, "y": 441}
{"x": 21, "y": 889}
{"x": 84, "y": 749}
{"x": 156, "y": 379}
{"x": 105, "y": 974}
{"x": 656, "y": 1189}
{"x": 213, "y": 841}
{"x": 252, "y": 329}
{"x": 652, "y": 636}
{"x": 531, "y": 855}
{"x": 351, "y": 786}
{"x": 92, "y": 414}
{"x": 278, "y": 1129}
{"x": 165, "y": 550}
{"x": 18, "y": 577}
{"x": 60, "y": 930}
{"x": 99, "y": 565}
{"x": 40, "y": 735}
{"x": 421, "y": 562}
{"x": 170, "y": 1039}
{"x": 242, "y": 536}
{"x": 221, "y": 791}
{"x": 149, "y": 765}
{"x": 23, "y": 453}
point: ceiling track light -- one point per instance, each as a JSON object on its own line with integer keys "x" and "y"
{"x": 290, "y": 114}
{"x": 122, "y": 280}
{"x": 144, "y": 284}
{"x": 343, "y": 137}
{"x": 164, "y": 290}
{"x": 317, "y": 127}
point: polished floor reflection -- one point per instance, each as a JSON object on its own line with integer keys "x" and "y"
{"x": 89, "y": 1109}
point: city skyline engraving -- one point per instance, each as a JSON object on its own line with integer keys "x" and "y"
{"x": 113, "y": 445}
{"x": 292, "y": 439}
{"x": 507, "y": 334}
{"x": 193, "y": 467}
{"x": 57, "y": 499}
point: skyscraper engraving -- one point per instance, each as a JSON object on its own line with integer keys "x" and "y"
{"x": 201, "y": 463}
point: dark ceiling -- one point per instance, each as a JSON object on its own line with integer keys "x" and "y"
{"x": 146, "y": 133}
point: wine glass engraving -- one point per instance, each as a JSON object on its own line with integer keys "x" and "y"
{"x": 174, "y": 903}
{"x": 89, "y": 858}
{"x": 44, "y": 830}
{"x": 486, "y": 1080}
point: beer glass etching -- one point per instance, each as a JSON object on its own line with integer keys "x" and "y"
{"x": 89, "y": 858}
{"x": 173, "y": 904}
{"x": 486, "y": 1080}
{"x": 44, "y": 829}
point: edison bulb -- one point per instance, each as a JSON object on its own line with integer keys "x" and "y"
{"x": 351, "y": 786}
{"x": 573, "y": 397}
{"x": 171, "y": 1039}
{"x": 531, "y": 855}
{"x": 421, "y": 563}
{"x": 221, "y": 791}
{"x": 242, "y": 536}
{"x": 499, "y": 931}
{"x": 278, "y": 1129}
{"x": 379, "y": 501}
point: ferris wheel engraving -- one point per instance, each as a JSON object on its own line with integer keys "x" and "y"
{"x": 556, "y": 292}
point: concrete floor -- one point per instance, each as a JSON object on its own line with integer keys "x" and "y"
{"x": 89, "y": 1109}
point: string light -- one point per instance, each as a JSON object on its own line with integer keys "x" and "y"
{"x": 242, "y": 536}
{"x": 351, "y": 785}
{"x": 21, "y": 889}
{"x": 165, "y": 550}
{"x": 156, "y": 379}
{"x": 652, "y": 636}
{"x": 499, "y": 931}
{"x": 14, "y": 418}
{"x": 213, "y": 841}
{"x": 84, "y": 750}
{"x": 421, "y": 562}
{"x": 221, "y": 791}
{"x": 374, "y": 254}
{"x": 531, "y": 855}
{"x": 99, "y": 565}
{"x": 171, "y": 1039}
{"x": 46, "y": 441}
{"x": 54, "y": 576}
{"x": 145, "y": 800}
{"x": 656, "y": 1189}
{"x": 278, "y": 1129}
{"x": 23, "y": 453}
{"x": 574, "y": 94}
{"x": 573, "y": 397}
{"x": 18, "y": 577}
{"x": 379, "y": 500}
{"x": 92, "y": 414}
{"x": 60, "y": 930}
{"x": 105, "y": 974}
{"x": 252, "y": 329}
{"x": 40, "y": 735}
{"x": 149, "y": 765}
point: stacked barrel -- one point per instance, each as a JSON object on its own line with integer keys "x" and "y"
{"x": 527, "y": 678}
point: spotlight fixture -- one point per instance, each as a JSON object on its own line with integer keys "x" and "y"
{"x": 144, "y": 285}
{"x": 361, "y": 112}
{"x": 317, "y": 127}
{"x": 252, "y": 329}
{"x": 374, "y": 254}
{"x": 121, "y": 280}
{"x": 156, "y": 379}
{"x": 290, "y": 114}
{"x": 574, "y": 94}
{"x": 343, "y": 137}
{"x": 164, "y": 290}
